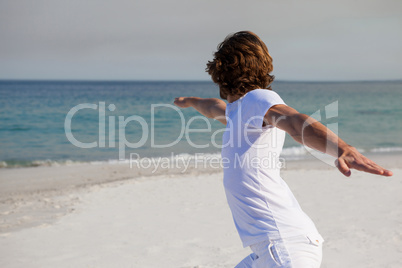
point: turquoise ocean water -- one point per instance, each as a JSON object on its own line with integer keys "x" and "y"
{"x": 33, "y": 116}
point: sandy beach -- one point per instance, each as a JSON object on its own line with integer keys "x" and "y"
{"x": 112, "y": 216}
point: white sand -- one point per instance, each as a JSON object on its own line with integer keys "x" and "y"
{"x": 66, "y": 218}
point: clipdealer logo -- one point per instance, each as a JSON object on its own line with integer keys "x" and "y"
{"x": 330, "y": 112}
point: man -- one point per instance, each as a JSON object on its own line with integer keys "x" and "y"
{"x": 266, "y": 214}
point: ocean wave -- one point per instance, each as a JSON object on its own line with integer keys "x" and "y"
{"x": 386, "y": 150}
{"x": 291, "y": 153}
{"x": 38, "y": 163}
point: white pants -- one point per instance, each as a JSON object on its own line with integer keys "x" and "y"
{"x": 304, "y": 251}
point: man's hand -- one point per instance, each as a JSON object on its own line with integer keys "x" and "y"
{"x": 183, "y": 102}
{"x": 351, "y": 158}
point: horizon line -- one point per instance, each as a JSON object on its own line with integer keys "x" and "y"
{"x": 190, "y": 80}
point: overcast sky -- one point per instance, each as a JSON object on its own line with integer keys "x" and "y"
{"x": 173, "y": 40}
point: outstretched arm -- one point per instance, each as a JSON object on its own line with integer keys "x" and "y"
{"x": 312, "y": 133}
{"x": 211, "y": 108}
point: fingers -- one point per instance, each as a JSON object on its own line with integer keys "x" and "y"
{"x": 376, "y": 169}
{"x": 369, "y": 166}
{"x": 342, "y": 166}
{"x": 179, "y": 101}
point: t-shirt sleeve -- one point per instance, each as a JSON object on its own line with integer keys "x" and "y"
{"x": 256, "y": 104}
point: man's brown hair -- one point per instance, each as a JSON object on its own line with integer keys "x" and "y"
{"x": 241, "y": 64}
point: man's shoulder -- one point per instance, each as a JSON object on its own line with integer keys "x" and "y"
{"x": 261, "y": 94}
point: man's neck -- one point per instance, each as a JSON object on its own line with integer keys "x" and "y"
{"x": 232, "y": 98}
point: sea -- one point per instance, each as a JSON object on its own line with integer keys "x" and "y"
{"x": 67, "y": 122}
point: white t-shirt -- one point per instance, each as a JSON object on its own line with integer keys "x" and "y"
{"x": 262, "y": 204}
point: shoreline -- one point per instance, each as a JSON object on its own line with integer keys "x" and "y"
{"x": 17, "y": 180}
{"x": 293, "y": 153}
